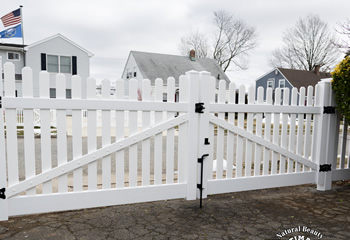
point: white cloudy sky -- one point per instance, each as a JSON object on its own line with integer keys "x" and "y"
{"x": 111, "y": 28}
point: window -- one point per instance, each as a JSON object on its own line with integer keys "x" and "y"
{"x": 271, "y": 83}
{"x": 13, "y": 56}
{"x": 58, "y": 64}
{"x": 52, "y": 63}
{"x": 65, "y": 64}
{"x": 282, "y": 83}
{"x": 53, "y": 93}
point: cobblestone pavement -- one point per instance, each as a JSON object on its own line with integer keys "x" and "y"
{"x": 262, "y": 214}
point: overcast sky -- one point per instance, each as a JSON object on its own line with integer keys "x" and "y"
{"x": 110, "y": 29}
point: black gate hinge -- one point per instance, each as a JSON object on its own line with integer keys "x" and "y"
{"x": 199, "y": 107}
{"x": 2, "y": 193}
{"x": 328, "y": 110}
{"x": 0, "y": 101}
{"x": 325, "y": 167}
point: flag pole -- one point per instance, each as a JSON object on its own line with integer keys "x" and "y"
{"x": 24, "y": 57}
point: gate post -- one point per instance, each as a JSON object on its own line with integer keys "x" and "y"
{"x": 328, "y": 134}
{"x": 203, "y": 136}
{"x": 193, "y": 121}
{"x": 3, "y": 175}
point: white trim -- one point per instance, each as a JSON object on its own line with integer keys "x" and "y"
{"x": 58, "y": 35}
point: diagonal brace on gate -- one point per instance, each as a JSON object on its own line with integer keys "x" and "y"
{"x": 94, "y": 156}
{"x": 252, "y": 137}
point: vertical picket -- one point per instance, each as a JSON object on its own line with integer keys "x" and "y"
{"x": 61, "y": 132}
{"x": 11, "y": 126}
{"x": 106, "y": 136}
{"x": 3, "y": 172}
{"x": 119, "y": 134}
{"x": 45, "y": 129}
{"x": 284, "y": 130}
{"x": 230, "y": 135}
{"x": 299, "y": 147}
{"x": 239, "y": 157}
{"x": 92, "y": 145}
{"x": 258, "y": 132}
{"x": 291, "y": 146}
{"x": 212, "y": 89}
{"x": 132, "y": 130}
{"x": 170, "y": 134}
{"x": 307, "y": 141}
{"x": 158, "y": 139}
{"x": 221, "y": 134}
{"x": 29, "y": 147}
{"x": 276, "y": 131}
{"x": 182, "y": 137}
{"x": 250, "y": 128}
{"x": 146, "y": 144}
{"x": 77, "y": 134}
{"x": 267, "y": 133}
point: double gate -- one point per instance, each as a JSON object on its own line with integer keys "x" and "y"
{"x": 208, "y": 143}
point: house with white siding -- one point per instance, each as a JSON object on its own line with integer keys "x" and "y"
{"x": 55, "y": 54}
{"x": 144, "y": 65}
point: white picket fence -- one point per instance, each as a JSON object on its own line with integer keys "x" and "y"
{"x": 141, "y": 160}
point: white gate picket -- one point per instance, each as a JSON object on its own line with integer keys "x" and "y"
{"x": 284, "y": 131}
{"x": 258, "y": 132}
{"x": 91, "y": 136}
{"x": 146, "y": 144}
{"x": 45, "y": 130}
{"x": 182, "y": 136}
{"x": 170, "y": 134}
{"x": 158, "y": 139}
{"x": 77, "y": 134}
{"x": 300, "y": 140}
{"x": 220, "y": 161}
{"x": 132, "y": 130}
{"x": 11, "y": 126}
{"x": 29, "y": 148}
{"x": 276, "y": 131}
{"x": 307, "y": 146}
{"x": 230, "y": 135}
{"x": 291, "y": 146}
{"x": 106, "y": 137}
{"x": 267, "y": 133}
{"x": 119, "y": 135}
{"x": 211, "y": 157}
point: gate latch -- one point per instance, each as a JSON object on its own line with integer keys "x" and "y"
{"x": 2, "y": 193}
{"x": 199, "y": 107}
{"x": 325, "y": 167}
{"x": 328, "y": 110}
{"x": 0, "y": 102}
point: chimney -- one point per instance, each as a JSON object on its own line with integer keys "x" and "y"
{"x": 317, "y": 69}
{"x": 193, "y": 55}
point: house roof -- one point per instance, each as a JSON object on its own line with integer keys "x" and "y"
{"x": 58, "y": 35}
{"x": 302, "y": 78}
{"x": 155, "y": 65}
{"x": 12, "y": 46}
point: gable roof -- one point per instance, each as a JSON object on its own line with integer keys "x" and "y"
{"x": 155, "y": 65}
{"x": 58, "y": 35}
{"x": 302, "y": 78}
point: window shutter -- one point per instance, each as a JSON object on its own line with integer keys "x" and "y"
{"x": 74, "y": 65}
{"x": 43, "y": 62}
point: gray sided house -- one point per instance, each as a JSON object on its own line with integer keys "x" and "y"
{"x": 56, "y": 54}
{"x": 143, "y": 65}
{"x": 289, "y": 78}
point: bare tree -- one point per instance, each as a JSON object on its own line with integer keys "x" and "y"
{"x": 231, "y": 42}
{"x": 344, "y": 29}
{"x": 196, "y": 41}
{"x": 307, "y": 44}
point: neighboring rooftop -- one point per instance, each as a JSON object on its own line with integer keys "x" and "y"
{"x": 302, "y": 78}
{"x": 155, "y": 65}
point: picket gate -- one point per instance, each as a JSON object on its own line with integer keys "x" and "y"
{"x": 203, "y": 144}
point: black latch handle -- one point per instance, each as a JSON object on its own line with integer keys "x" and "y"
{"x": 2, "y": 193}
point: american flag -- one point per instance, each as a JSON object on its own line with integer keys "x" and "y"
{"x": 12, "y": 18}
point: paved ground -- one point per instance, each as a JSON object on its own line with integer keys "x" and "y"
{"x": 262, "y": 214}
